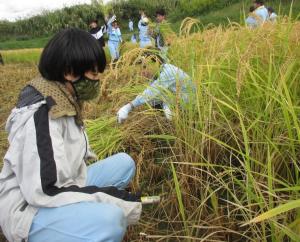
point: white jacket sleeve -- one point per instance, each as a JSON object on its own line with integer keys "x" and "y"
{"x": 99, "y": 34}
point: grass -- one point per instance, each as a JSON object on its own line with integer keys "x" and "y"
{"x": 23, "y": 44}
{"x": 36, "y": 43}
{"x": 21, "y": 56}
{"x": 226, "y": 157}
{"x": 33, "y": 55}
{"x": 12, "y": 78}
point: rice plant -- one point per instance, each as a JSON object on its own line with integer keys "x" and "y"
{"x": 228, "y": 156}
{"x": 233, "y": 153}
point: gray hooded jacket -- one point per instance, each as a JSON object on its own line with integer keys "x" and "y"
{"x": 45, "y": 167}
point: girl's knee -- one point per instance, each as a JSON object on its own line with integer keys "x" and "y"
{"x": 84, "y": 221}
{"x": 126, "y": 161}
{"x": 112, "y": 223}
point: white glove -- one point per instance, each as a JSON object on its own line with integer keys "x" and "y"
{"x": 113, "y": 18}
{"x": 167, "y": 112}
{"x": 123, "y": 112}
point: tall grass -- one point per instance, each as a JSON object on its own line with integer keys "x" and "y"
{"x": 233, "y": 152}
{"x": 227, "y": 156}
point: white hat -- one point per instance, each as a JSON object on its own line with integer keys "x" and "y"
{"x": 145, "y": 20}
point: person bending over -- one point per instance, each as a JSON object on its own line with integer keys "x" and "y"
{"x": 170, "y": 79}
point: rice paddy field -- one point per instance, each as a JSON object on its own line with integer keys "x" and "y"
{"x": 227, "y": 157}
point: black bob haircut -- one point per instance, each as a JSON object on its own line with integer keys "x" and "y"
{"x": 93, "y": 21}
{"x": 161, "y": 12}
{"x": 271, "y": 10}
{"x": 252, "y": 9}
{"x": 71, "y": 51}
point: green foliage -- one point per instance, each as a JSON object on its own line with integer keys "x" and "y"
{"x": 196, "y": 7}
{"x": 105, "y": 138}
{"x": 131, "y": 8}
{"x": 51, "y": 22}
{"x": 6, "y": 30}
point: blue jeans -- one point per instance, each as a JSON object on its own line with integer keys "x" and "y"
{"x": 88, "y": 221}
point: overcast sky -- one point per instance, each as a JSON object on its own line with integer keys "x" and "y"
{"x": 14, "y": 9}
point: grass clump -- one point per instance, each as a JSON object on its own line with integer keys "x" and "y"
{"x": 233, "y": 153}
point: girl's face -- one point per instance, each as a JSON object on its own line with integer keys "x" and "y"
{"x": 149, "y": 70}
{"x": 83, "y": 87}
{"x": 160, "y": 18}
{"x": 115, "y": 25}
{"x": 93, "y": 25}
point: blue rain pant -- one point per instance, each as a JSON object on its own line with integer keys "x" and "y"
{"x": 146, "y": 43}
{"x": 113, "y": 47}
{"x": 88, "y": 221}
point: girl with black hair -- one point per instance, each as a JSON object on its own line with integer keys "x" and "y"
{"x": 47, "y": 192}
{"x": 98, "y": 32}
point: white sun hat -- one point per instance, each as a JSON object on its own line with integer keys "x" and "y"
{"x": 145, "y": 20}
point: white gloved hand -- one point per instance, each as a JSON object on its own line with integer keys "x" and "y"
{"x": 112, "y": 19}
{"x": 167, "y": 112}
{"x": 123, "y": 112}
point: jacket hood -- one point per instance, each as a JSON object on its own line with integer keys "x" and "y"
{"x": 18, "y": 118}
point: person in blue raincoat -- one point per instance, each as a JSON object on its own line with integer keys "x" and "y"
{"x": 261, "y": 11}
{"x": 114, "y": 40}
{"x": 130, "y": 25}
{"x": 133, "y": 39}
{"x": 145, "y": 39}
{"x": 251, "y": 20}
